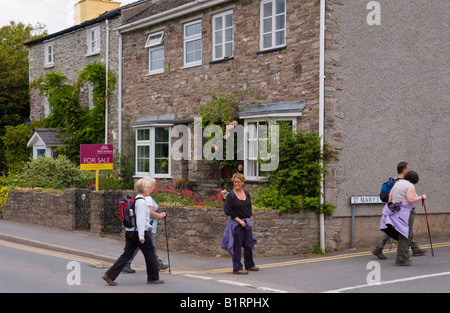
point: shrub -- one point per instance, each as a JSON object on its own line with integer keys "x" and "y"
{"x": 56, "y": 173}
{"x": 295, "y": 184}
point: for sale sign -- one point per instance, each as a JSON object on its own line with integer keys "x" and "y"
{"x": 96, "y": 157}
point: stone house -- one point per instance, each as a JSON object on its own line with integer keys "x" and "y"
{"x": 175, "y": 52}
{"x": 69, "y": 51}
{"x": 370, "y": 76}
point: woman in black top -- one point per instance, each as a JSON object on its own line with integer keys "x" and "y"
{"x": 239, "y": 208}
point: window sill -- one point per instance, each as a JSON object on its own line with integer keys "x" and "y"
{"x": 192, "y": 65}
{"x": 155, "y": 73}
{"x": 92, "y": 53}
{"x": 221, "y": 60}
{"x": 271, "y": 50}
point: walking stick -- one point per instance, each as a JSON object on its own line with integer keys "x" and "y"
{"x": 428, "y": 226}
{"x": 167, "y": 242}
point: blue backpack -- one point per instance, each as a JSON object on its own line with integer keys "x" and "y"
{"x": 225, "y": 210}
{"x": 386, "y": 189}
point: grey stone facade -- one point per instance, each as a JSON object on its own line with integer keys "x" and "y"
{"x": 71, "y": 56}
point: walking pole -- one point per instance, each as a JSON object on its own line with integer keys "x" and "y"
{"x": 167, "y": 241}
{"x": 428, "y": 226}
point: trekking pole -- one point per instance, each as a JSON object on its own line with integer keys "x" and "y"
{"x": 167, "y": 241}
{"x": 428, "y": 226}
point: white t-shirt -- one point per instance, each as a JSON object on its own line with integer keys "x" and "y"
{"x": 399, "y": 191}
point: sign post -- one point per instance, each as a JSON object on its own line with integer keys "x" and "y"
{"x": 96, "y": 157}
{"x": 354, "y": 200}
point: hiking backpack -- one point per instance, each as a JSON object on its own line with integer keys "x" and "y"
{"x": 127, "y": 211}
{"x": 386, "y": 189}
{"x": 225, "y": 210}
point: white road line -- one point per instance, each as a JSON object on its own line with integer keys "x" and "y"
{"x": 400, "y": 280}
{"x": 272, "y": 290}
{"x": 231, "y": 282}
{"x": 197, "y": 276}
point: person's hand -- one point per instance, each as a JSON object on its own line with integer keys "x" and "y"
{"x": 424, "y": 196}
{"x": 243, "y": 223}
{"x": 163, "y": 215}
{"x": 142, "y": 240}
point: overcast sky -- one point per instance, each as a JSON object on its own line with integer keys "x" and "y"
{"x": 56, "y": 15}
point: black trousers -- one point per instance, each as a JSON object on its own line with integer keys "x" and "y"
{"x": 131, "y": 243}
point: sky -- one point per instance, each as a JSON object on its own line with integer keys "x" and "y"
{"x": 56, "y": 15}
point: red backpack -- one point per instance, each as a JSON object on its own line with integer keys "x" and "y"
{"x": 127, "y": 211}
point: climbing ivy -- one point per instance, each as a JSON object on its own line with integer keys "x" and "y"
{"x": 81, "y": 124}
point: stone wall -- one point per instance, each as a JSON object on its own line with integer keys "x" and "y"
{"x": 190, "y": 230}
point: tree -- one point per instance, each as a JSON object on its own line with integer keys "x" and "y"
{"x": 14, "y": 95}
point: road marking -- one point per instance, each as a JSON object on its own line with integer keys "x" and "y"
{"x": 71, "y": 257}
{"x": 232, "y": 282}
{"x": 197, "y": 276}
{"x": 272, "y": 290}
{"x": 400, "y": 280}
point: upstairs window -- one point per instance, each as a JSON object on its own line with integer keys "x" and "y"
{"x": 93, "y": 40}
{"x": 193, "y": 43}
{"x": 49, "y": 55}
{"x": 273, "y": 24}
{"x": 223, "y": 36}
{"x": 155, "y": 44}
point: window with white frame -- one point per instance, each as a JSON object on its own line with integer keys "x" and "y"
{"x": 223, "y": 35}
{"x": 93, "y": 40}
{"x": 153, "y": 151}
{"x": 257, "y": 134}
{"x": 273, "y": 24}
{"x": 49, "y": 54}
{"x": 155, "y": 45}
{"x": 193, "y": 43}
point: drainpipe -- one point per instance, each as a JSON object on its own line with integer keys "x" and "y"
{"x": 322, "y": 115}
{"x": 106, "y": 88}
{"x": 119, "y": 96}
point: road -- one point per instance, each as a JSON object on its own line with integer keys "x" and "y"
{"x": 26, "y": 269}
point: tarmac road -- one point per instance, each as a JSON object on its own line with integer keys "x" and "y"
{"x": 36, "y": 259}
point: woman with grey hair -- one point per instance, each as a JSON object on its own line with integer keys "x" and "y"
{"x": 138, "y": 236}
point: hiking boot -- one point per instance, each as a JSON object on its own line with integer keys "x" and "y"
{"x": 407, "y": 263}
{"x": 379, "y": 254}
{"x": 109, "y": 280}
{"x": 241, "y": 272}
{"x": 253, "y": 269}
{"x": 419, "y": 252}
{"x": 163, "y": 266}
{"x": 155, "y": 282}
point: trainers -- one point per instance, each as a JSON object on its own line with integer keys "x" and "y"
{"x": 253, "y": 269}
{"x": 379, "y": 254}
{"x": 241, "y": 272}
{"x": 407, "y": 263}
{"x": 128, "y": 270}
{"x": 419, "y": 252}
{"x": 109, "y": 280}
{"x": 155, "y": 282}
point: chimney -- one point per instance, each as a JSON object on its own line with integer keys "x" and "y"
{"x": 86, "y": 10}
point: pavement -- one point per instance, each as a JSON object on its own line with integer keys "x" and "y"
{"x": 103, "y": 249}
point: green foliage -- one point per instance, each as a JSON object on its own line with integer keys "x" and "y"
{"x": 222, "y": 110}
{"x": 59, "y": 173}
{"x": 295, "y": 184}
{"x": 15, "y": 145}
{"x": 14, "y": 95}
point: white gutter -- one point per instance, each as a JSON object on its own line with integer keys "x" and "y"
{"x": 322, "y": 115}
{"x": 188, "y": 8}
